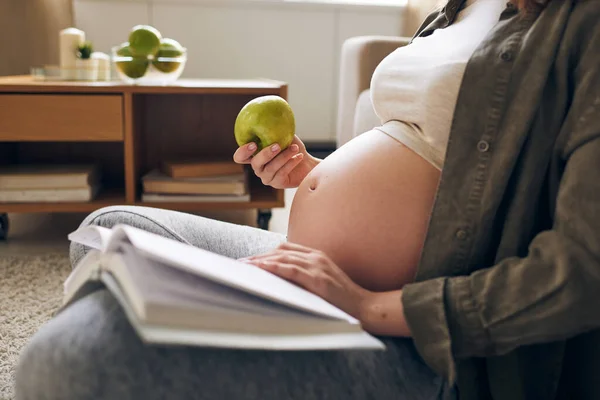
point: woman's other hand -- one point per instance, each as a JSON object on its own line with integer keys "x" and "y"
{"x": 279, "y": 169}
{"x": 315, "y": 272}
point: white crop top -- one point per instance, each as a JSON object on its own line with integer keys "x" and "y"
{"x": 414, "y": 90}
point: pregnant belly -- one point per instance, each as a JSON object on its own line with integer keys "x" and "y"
{"x": 367, "y": 206}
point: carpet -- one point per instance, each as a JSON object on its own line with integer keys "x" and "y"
{"x": 30, "y": 293}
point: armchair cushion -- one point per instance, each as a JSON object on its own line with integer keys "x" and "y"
{"x": 360, "y": 56}
{"x": 365, "y": 118}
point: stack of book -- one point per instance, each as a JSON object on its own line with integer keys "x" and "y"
{"x": 48, "y": 183}
{"x": 194, "y": 181}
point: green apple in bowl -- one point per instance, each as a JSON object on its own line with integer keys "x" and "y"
{"x": 169, "y": 56}
{"x": 133, "y": 67}
{"x": 144, "y": 40}
{"x": 265, "y": 120}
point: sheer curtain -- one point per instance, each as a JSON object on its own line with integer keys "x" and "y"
{"x": 417, "y": 11}
{"x": 29, "y": 33}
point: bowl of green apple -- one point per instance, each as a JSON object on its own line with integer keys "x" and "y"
{"x": 148, "y": 58}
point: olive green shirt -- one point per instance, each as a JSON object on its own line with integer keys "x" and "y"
{"x": 506, "y": 302}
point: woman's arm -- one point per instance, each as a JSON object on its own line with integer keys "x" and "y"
{"x": 383, "y": 314}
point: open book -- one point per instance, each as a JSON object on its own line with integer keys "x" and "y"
{"x": 174, "y": 293}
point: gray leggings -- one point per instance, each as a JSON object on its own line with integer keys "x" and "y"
{"x": 89, "y": 351}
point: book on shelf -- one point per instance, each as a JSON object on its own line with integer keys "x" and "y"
{"x": 48, "y": 176}
{"x": 82, "y": 194}
{"x": 158, "y": 182}
{"x": 174, "y": 293}
{"x": 194, "y": 198}
{"x": 199, "y": 169}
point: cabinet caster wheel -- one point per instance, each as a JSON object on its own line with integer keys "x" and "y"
{"x": 264, "y": 216}
{"x": 3, "y": 226}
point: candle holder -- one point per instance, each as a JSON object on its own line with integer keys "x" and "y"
{"x": 56, "y": 73}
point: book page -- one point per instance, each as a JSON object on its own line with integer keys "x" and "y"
{"x": 229, "y": 272}
{"x": 86, "y": 270}
{"x": 160, "y": 283}
{"x": 93, "y": 236}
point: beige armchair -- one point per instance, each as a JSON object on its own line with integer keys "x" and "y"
{"x": 360, "y": 56}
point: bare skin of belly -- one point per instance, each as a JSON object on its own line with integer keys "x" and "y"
{"x": 367, "y": 206}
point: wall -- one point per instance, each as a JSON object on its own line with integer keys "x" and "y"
{"x": 295, "y": 42}
{"x": 416, "y": 11}
{"x": 29, "y": 31}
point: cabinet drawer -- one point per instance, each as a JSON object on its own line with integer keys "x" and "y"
{"x": 63, "y": 118}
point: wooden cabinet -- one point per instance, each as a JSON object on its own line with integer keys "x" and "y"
{"x": 127, "y": 130}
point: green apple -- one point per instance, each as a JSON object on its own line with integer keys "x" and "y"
{"x": 133, "y": 67}
{"x": 124, "y": 50}
{"x": 144, "y": 40}
{"x": 265, "y": 120}
{"x": 168, "y": 57}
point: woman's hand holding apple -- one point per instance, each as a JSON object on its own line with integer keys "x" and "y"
{"x": 279, "y": 169}
{"x": 265, "y": 131}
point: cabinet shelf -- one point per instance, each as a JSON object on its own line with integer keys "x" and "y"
{"x": 261, "y": 197}
{"x": 103, "y": 199}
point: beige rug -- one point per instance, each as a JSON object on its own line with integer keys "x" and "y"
{"x": 30, "y": 293}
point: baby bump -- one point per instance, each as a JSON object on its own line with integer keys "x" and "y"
{"x": 367, "y": 206}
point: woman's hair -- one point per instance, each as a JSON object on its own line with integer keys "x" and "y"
{"x": 530, "y": 5}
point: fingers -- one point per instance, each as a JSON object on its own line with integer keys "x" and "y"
{"x": 290, "y": 272}
{"x": 312, "y": 259}
{"x": 281, "y": 179}
{"x": 271, "y": 168}
{"x": 313, "y": 281}
{"x": 243, "y": 154}
{"x": 295, "y": 247}
{"x": 299, "y": 142}
{"x": 259, "y": 160}
{"x": 298, "y": 259}
{"x": 301, "y": 265}
{"x": 274, "y": 254}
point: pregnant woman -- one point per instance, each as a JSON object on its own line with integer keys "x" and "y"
{"x": 464, "y": 231}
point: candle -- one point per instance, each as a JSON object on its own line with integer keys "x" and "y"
{"x": 103, "y": 63}
{"x": 69, "y": 40}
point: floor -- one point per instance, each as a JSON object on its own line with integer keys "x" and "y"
{"x": 47, "y": 233}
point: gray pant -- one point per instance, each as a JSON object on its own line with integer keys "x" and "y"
{"x": 90, "y": 351}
